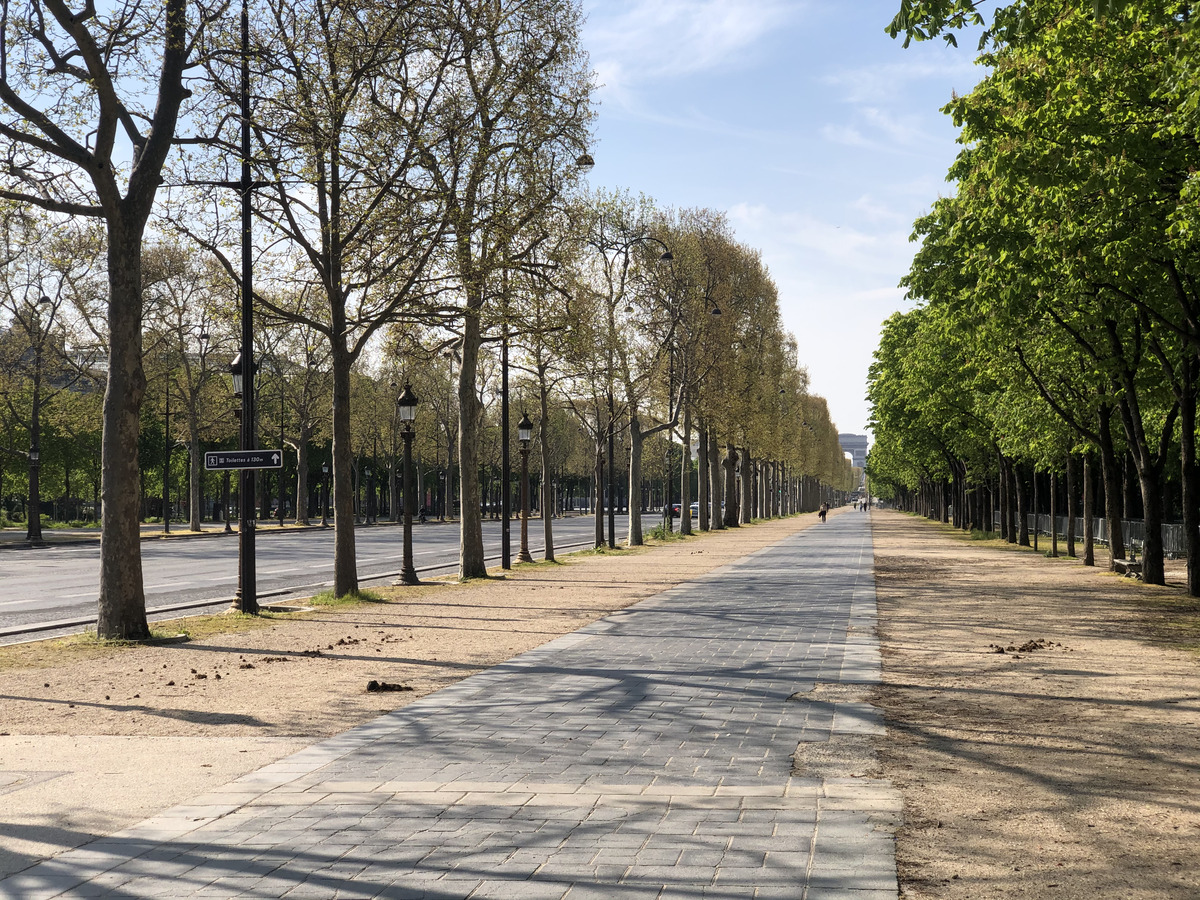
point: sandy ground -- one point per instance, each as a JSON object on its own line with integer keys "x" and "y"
{"x": 1067, "y": 766}
{"x": 95, "y": 738}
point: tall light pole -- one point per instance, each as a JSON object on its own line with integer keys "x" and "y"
{"x": 524, "y": 433}
{"x": 325, "y": 495}
{"x": 505, "y": 463}
{"x": 406, "y": 408}
{"x": 33, "y": 516}
{"x": 282, "y": 480}
{"x": 666, "y": 257}
{"x": 246, "y": 598}
{"x": 167, "y": 442}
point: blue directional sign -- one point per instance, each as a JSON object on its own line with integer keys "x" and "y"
{"x": 244, "y": 459}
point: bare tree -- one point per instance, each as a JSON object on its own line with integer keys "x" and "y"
{"x": 92, "y": 97}
{"x": 348, "y": 97}
{"x": 519, "y": 125}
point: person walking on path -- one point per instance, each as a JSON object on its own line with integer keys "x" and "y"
{"x": 823, "y": 511}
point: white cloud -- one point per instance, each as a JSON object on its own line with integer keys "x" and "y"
{"x": 874, "y": 96}
{"x": 636, "y": 42}
{"x": 837, "y": 283}
{"x": 874, "y": 85}
{"x": 846, "y": 135}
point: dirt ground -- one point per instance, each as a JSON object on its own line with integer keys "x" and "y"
{"x": 95, "y": 738}
{"x": 1066, "y": 766}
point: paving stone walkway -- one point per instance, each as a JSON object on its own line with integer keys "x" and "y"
{"x": 649, "y": 755}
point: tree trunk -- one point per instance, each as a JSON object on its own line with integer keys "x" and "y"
{"x": 121, "y": 605}
{"x": 731, "y": 516}
{"x": 547, "y": 486}
{"x": 1036, "y": 509}
{"x": 1010, "y": 497}
{"x": 636, "y": 443}
{"x": 1089, "y": 512}
{"x": 1190, "y": 473}
{"x": 1054, "y": 515}
{"x": 471, "y": 559}
{"x": 702, "y": 492}
{"x": 598, "y": 479}
{"x": 685, "y": 474}
{"x": 195, "y": 476}
{"x": 747, "y": 499}
{"x": 1072, "y": 510}
{"x": 1022, "y": 495}
{"x": 1002, "y": 490}
{"x": 1153, "y": 567}
{"x": 302, "y": 512}
{"x": 1149, "y": 463}
{"x": 345, "y": 562}
{"x": 716, "y": 516}
{"x": 1112, "y": 487}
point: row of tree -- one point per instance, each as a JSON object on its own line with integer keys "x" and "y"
{"x": 414, "y": 203}
{"x": 564, "y": 374}
{"x": 1058, "y": 288}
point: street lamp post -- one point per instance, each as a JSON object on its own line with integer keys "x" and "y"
{"x": 33, "y": 516}
{"x": 666, "y": 257}
{"x": 406, "y": 407}
{"x": 282, "y": 480}
{"x": 505, "y": 464}
{"x": 524, "y": 433}
{"x": 167, "y": 442}
{"x": 246, "y": 599}
{"x": 325, "y": 495}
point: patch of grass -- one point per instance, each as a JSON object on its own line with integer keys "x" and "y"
{"x": 977, "y": 535}
{"x": 661, "y": 535}
{"x": 328, "y": 599}
{"x": 88, "y": 645}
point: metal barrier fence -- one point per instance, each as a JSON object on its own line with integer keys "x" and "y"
{"x": 1134, "y": 531}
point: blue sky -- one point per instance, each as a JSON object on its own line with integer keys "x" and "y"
{"x": 819, "y": 136}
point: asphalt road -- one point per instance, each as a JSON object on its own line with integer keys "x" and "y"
{"x": 59, "y": 584}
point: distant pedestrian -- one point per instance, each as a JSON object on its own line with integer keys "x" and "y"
{"x": 823, "y": 511}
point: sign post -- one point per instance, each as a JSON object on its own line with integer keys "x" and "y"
{"x": 246, "y": 461}
{"x": 243, "y": 459}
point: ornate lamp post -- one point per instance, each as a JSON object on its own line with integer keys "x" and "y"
{"x": 524, "y": 433}
{"x": 406, "y": 409}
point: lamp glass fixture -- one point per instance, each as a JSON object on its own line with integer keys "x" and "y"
{"x": 524, "y": 429}
{"x": 235, "y": 369}
{"x": 406, "y": 404}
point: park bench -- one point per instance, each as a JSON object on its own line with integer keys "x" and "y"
{"x": 1130, "y": 568}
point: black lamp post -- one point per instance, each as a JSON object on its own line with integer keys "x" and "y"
{"x": 246, "y": 599}
{"x": 167, "y": 446}
{"x": 324, "y": 495}
{"x": 406, "y": 409}
{"x": 282, "y": 480}
{"x": 33, "y": 517}
{"x": 666, "y": 257}
{"x": 524, "y": 433}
